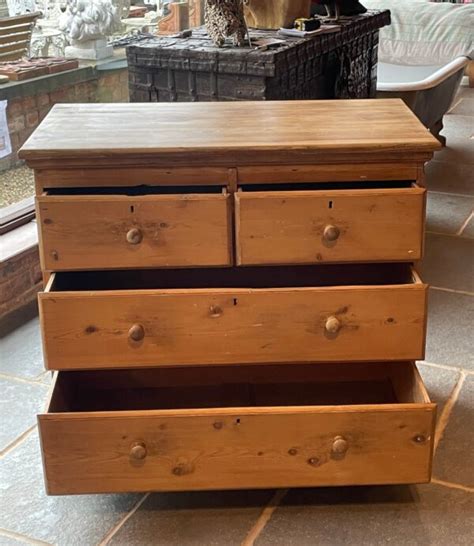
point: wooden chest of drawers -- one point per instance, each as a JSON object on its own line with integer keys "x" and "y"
{"x": 230, "y": 295}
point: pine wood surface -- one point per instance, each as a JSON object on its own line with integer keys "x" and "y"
{"x": 289, "y": 226}
{"x": 92, "y": 329}
{"x": 241, "y": 447}
{"x": 223, "y": 132}
{"x": 171, "y": 230}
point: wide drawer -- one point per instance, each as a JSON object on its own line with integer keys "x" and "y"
{"x": 330, "y": 225}
{"x": 237, "y": 427}
{"x": 114, "y": 319}
{"x": 107, "y": 231}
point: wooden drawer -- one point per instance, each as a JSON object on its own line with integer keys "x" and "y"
{"x": 330, "y": 225}
{"x": 107, "y": 231}
{"x": 240, "y": 427}
{"x": 114, "y": 319}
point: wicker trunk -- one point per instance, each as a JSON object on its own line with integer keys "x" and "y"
{"x": 326, "y": 66}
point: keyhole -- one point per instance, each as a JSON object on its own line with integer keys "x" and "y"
{"x": 132, "y": 209}
{"x": 330, "y": 204}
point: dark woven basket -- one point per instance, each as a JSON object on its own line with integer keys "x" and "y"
{"x": 327, "y": 66}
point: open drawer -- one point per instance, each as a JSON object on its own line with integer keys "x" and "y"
{"x": 316, "y": 223}
{"x": 117, "y": 319}
{"x": 107, "y": 228}
{"x": 237, "y": 427}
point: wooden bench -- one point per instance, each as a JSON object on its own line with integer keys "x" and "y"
{"x": 15, "y": 36}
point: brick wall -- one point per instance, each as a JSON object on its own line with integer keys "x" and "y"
{"x": 20, "y": 280}
{"x": 25, "y": 113}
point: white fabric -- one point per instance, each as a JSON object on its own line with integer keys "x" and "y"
{"x": 423, "y": 32}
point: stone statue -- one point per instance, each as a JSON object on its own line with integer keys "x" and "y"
{"x": 87, "y": 23}
{"x": 225, "y": 18}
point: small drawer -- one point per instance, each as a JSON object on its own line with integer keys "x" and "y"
{"x": 235, "y": 428}
{"x": 123, "y": 319}
{"x": 113, "y": 229}
{"x": 308, "y": 226}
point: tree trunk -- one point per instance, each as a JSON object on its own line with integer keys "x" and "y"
{"x": 273, "y": 14}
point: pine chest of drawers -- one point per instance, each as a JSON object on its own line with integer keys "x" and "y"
{"x": 230, "y": 295}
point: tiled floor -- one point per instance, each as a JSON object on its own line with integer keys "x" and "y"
{"x": 441, "y": 513}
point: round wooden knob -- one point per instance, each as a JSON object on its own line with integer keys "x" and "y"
{"x": 134, "y": 236}
{"x": 339, "y": 445}
{"x": 136, "y": 332}
{"x": 333, "y": 325}
{"x": 331, "y": 233}
{"x": 138, "y": 451}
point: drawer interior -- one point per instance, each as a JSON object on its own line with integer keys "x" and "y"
{"x": 135, "y": 191}
{"x": 245, "y": 386}
{"x": 324, "y": 186}
{"x": 236, "y": 277}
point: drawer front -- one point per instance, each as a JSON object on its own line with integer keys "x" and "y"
{"x": 106, "y": 232}
{"x": 176, "y": 327}
{"x": 237, "y": 447}
{"x": 296, "y": 227}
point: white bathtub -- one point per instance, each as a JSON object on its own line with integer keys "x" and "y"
{"x": 428, "y": 90}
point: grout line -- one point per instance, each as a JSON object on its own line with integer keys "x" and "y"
{"x": 453, "y": 485}
{"x": 18, "y": 440}
{"x": 470, "y": 196}
{"x": 443, "y": 233}
{"x": 443, "y": 366}
{"x": 464, "y": 226}
{"x": 264, "y": 518}
{"x": 452, "y": 290}
{"x": 24, "y": 538}
{"x": 34, "y": 381}
{"x": 447, "y": 410}
{"x": 454, "y": 106}
{"x": 122, "y": 522}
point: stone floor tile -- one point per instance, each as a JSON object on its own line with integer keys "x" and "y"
{"x": 468, "y": 231}
{"x": 424, "y": 515}
{"x": 460, "y": 144}
{"x": 450, "y": 319}
{"x": 219, "y": 518}
{"x": 20, "y": 351}
{"x": 439, "y": 383}
{"x": 450, "y": 177}
{"x": 13, "y": 541}
{"x": 448, "y": 262}
{"x": 447, "y": 213}
{"x": 463, "y": 106}
{"x": 10, "y": 541}
{"x": 453, "y": 459}
{"x": 19, "y": 403}
{"x": 64, "y": 521}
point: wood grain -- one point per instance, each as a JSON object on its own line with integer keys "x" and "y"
{"x": 283, "y": 227}
{"x": 90, "y": 232}
{"x": 237, "y": 447}
{"x": 232, "y": 326}
{"x": 261, "y": 174}
{"x": 204, "y": 133}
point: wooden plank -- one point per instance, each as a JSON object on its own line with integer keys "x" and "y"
{"x": 17, "y": 45}
{"x": 15, "y": 36}
{"x": 200, "y": 133}
{"x": 95, "y": 231}
{"x": 258, "y": 174}
{"x": 297, "y": 227}
{"x": 94, "y": 329}
{"x": 19, "y": 19}
{"x": 236, "y": 448}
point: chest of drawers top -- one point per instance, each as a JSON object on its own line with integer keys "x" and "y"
{"x": 228, "y": 134}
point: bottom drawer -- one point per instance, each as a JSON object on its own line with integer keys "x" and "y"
{"x": 271, "y": 426}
